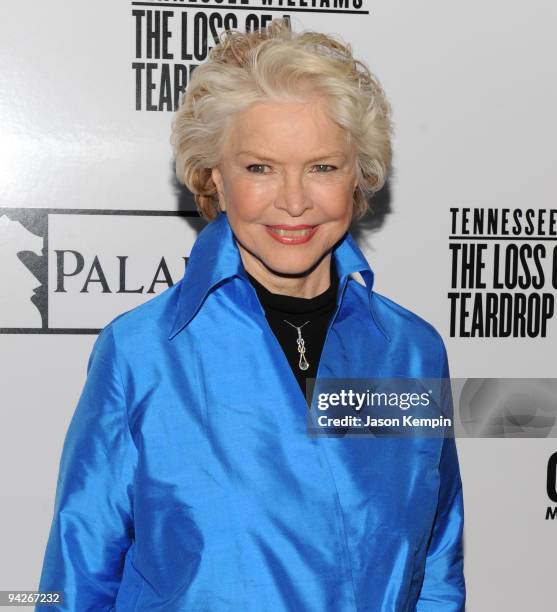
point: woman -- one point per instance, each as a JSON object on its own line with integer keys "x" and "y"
{"x": 188, "y": 480}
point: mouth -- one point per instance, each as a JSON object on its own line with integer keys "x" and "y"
{"x": 292, "y": 234}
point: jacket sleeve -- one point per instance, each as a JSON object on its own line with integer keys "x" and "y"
{"x": 443, "y": 588}
{"x": 92, "y": 526}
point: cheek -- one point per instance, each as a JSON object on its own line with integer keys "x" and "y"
{"x": 336, "y": 201}
{"x": 249, "y": 198}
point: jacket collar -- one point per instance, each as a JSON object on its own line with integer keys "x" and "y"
{"x": 215, "y": 257}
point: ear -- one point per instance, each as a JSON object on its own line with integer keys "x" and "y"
{"x": 356, "y": 178}
{"x": 217, "y": 180}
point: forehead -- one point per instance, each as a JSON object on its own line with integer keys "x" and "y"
{"x": 291, "y": 127}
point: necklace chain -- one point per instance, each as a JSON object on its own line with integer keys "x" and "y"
{"x": 303, "y": 362}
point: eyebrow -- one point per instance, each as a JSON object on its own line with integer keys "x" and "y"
{"x": 266, "y": 158}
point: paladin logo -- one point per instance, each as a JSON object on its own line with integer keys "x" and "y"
{"x": 72, "y": 271}
{"x": 21, "y": 254}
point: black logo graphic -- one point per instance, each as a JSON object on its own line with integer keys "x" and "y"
{"x": 551, "y": 512}
{"x": 50, "y": 265}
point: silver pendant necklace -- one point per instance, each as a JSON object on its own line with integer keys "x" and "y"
{"x": 303, "y": 363}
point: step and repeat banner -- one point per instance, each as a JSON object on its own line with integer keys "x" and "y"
{"x": 93, "y": 223}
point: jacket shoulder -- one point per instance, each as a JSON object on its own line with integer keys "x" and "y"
{"x": 400, "y": 322}
{"x": 147, "y": 322}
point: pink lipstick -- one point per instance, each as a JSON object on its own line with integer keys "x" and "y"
{"x": 292, "y": 234}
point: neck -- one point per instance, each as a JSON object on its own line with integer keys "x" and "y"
{"x": 305, "y": 286}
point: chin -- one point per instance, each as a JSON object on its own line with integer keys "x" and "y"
{"x": 296, "y": 267}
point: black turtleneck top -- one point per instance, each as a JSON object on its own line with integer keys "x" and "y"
{"x": 317, "y": 310}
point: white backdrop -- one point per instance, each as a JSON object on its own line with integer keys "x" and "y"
{"x": 473, "y": 93}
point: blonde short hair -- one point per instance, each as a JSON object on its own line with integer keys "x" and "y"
{"x": 274, "y": 64}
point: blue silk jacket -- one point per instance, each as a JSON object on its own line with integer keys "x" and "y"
{"x": 188, "y": 481}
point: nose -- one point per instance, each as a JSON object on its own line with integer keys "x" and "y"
{"x": 292, "y": 195}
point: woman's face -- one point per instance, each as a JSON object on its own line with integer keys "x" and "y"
{"x": 286, "y": 181}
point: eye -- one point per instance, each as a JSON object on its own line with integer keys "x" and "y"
{"x": 256, "y": 168}
{"x": 324, "y": 168}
